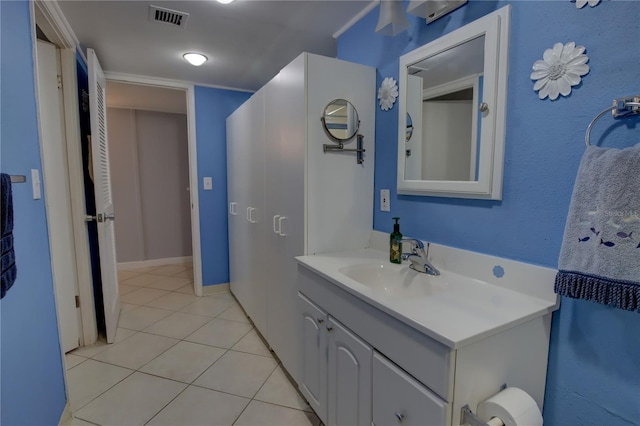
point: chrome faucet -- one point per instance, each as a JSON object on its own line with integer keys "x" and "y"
{"x": 418, "y": 257}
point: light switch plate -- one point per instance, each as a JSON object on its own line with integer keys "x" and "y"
{"x": 385, "y": 203}
{"x": 207, "y": 183}
{"x": 35, "y": 184}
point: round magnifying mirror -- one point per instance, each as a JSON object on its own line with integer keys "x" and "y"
{"x": 340, "y": 120}
{"x": 409, "y": 128}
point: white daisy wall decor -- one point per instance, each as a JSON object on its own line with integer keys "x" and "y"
{"x": 387, "y": 93}
{"x": 582, "y": 3}
{"x": 561, "y": 68}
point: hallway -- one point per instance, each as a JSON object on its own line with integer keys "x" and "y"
{"x": 180, "y": 360}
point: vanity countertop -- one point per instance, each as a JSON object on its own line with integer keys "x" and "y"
{"x": 453, "y": 309}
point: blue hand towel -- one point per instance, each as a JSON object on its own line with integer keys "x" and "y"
{"x": 8, "y": 257}
{"x": 600, "y": 254}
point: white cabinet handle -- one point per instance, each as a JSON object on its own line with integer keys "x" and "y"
{"x": 232, "y": 208}
{"x": 275, "y": 219}
{"x": 250, "y": 211}
{"x": 282, "y": 234}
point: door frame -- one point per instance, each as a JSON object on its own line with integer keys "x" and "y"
{"x": 57, "y": 195}
{"x": 49, "y": 17}
{"x": 59, "y": 31}
{"x": 192, "y": 146}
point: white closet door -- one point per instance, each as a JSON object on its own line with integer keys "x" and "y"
{"x": 104, "y": 202}
{"x": 259, "y": 224}
{"x": 235, "y": 205}
{"x": 245, "y": 150}
{"x": 287, "y": 192}
{"x": 273, "y": 212}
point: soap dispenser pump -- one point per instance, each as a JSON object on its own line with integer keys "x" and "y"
{"x": 395, "y": 244}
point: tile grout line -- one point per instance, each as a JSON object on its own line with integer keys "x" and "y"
{"x": 74, "y": 412}
{"x": 226, "y": 350}
{"x": 192, "y": 383}
{"x": 133, "y": 371}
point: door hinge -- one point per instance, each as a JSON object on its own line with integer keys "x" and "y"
{"x": 77, "y": 301}
{"x": 59, "y": 81}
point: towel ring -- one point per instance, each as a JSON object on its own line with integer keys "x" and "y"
{"x": 621, "y": 107}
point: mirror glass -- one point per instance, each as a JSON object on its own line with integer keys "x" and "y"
{"x": 340, "y": 120}
{"x": 445, "y": 88}
{"x": 409, "y": 127}
{"x": 452, "y": 96}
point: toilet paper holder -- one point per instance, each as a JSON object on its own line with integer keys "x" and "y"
{"x": 468, "y": 417}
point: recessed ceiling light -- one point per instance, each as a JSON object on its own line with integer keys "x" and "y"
{"x": 195, "y": 59}
{"x": 225, "y": 1}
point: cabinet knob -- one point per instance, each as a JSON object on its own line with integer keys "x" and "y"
{"x": 329, "y": 328}
{"x": 399, "y": 416}
{"x": 320, "y": 320}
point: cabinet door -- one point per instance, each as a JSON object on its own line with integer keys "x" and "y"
{"x": 398, "y": 398}
{"x": 314, "y": 359}
{"x": 254, "y": 258}
{"x": 272, "y": 272}
{"x": 285, "y": 165}
{"x": 349, "y": 377}
{"x": 238, "y": 194}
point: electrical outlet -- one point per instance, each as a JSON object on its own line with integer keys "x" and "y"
{"x": 385, "y": 203}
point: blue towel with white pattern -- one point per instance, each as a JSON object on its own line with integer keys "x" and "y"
{"x": 600, "y": 254}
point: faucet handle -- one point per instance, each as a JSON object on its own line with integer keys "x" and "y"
{"x": 415, "y": 243}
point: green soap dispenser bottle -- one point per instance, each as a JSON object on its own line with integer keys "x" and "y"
{"x": 395, "y": 246}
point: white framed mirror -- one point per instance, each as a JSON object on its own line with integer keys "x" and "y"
{"x": 454, "y": 89}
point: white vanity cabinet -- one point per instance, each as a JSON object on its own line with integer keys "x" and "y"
{"x": 336, "y": 369}
{"x": 348, "y": 383}
{"x": 287, "y": 197}
{"x": 392, "y": 370}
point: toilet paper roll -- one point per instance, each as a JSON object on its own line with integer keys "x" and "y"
{"x": 513, "y": 406}
{"x": 495, "y": 422}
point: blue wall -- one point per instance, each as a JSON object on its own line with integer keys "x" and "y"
{"x": 594, "y": 361}
{"x": 213, "y": 106}
{"x": 31, "y": 363}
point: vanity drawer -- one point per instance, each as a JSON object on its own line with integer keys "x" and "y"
{"x": 399, "y": 399}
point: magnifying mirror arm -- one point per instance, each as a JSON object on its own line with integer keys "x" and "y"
{"x": 340, "y": 147}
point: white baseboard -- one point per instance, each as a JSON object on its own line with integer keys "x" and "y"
{"x": 65, "y": 417}
{"x": 208, "y": 290}
{"x": 124, "y": 266}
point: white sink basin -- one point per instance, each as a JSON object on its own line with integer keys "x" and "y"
{"x": 457, "y": 307}
{"x": 398, "y": 281}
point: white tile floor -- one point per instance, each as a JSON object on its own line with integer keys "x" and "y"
{"x": 180, "y": 360}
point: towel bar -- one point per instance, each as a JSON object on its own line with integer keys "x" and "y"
{"x": 622, "y": 107}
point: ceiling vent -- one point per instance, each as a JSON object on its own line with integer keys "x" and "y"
{"x": 174, "y": 18}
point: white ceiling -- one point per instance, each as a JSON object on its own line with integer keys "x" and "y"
{"x": 148, "y": 98}
{"x": 247, "y": 42}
